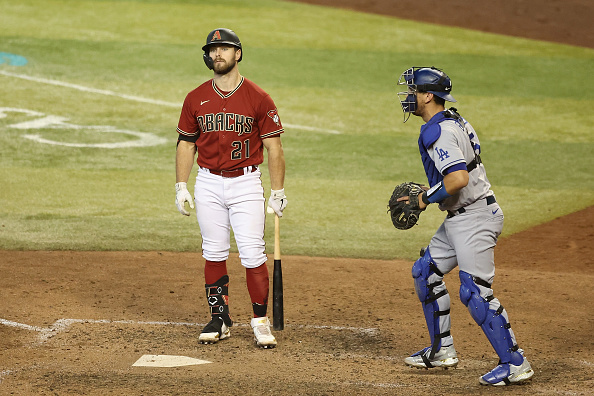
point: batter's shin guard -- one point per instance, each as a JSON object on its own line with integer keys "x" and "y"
{"x": 217, "y": 295}
{"x": 435, "y": 298}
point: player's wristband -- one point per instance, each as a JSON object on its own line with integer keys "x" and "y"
{"x": 437, "y": 193}
{"x": 424, "y": 198}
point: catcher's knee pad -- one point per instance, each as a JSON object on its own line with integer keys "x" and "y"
{"x": 433, "y": 294}
{"x": 492, "y": 321}
{"x": 217, "y": 295}
{"x": 422, "y": 270}
{"x": 470, "y": 295}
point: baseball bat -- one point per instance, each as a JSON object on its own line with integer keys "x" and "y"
{"x": 278, "y": 316}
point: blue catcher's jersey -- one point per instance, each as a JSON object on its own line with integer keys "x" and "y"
{"x": 448, "y": 144}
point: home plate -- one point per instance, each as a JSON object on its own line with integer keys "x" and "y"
{"x": 167, "y": 361}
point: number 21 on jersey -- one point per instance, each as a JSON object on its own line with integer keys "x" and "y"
{"x": 237, "y": 152}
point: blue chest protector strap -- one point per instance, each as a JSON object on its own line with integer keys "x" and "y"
{"x": 452, "y": 112}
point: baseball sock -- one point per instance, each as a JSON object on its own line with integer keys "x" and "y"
{"x": 258, "y": 284}
{"x": 214, "y": 270}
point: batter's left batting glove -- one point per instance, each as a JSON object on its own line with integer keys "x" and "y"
{"x": 182, "y": 195}
{"x": 277, "y": 202}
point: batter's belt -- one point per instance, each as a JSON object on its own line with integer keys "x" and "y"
{"x": 490, "y": 200}
{"x": 233, "y": 172}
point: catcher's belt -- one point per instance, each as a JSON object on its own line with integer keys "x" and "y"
{"x": 490, "y": 201}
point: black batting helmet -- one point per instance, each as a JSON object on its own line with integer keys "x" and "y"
{"x": 220, "y": 36}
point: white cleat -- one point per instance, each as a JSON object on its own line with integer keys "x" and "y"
{"x": 508, "y": 374}
{"x": 446, "y": 357}
{"x": 214, "y": 331}
{"x": 264, "y": 337}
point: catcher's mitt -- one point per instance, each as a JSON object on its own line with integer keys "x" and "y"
{"x": 405, "y": 215}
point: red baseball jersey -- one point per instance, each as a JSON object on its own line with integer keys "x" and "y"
{"x": 228, "y": 127}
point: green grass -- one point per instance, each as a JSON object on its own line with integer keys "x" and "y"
{"x": 325, "y": 68}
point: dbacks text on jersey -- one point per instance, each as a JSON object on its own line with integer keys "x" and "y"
{"x": 225, "y": 122}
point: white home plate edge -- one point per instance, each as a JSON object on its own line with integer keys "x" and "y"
{"x": 167, "y": 361}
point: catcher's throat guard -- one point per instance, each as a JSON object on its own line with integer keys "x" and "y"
{"x": 408, "y": 98}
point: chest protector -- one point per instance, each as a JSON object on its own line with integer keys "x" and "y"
{"x": 430, "y": 132}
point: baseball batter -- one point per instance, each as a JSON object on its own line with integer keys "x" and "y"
{"x": 228, "y": 121}
{"x": 450, "y": 149}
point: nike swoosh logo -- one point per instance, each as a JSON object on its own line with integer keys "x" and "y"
{"x": 204, "y": 101}
{"x": 495, "y": 211}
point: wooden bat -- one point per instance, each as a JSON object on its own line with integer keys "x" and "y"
{"x": 278, "y": 316}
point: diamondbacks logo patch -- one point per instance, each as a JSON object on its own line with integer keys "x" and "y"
{"x": 216, "y": 36}
{"x": 274, "y": 115}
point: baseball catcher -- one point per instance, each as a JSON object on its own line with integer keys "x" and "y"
{"x": 450, "y": 152}
{"x": 404, "y": 205}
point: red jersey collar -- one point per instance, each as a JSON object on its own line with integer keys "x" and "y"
{"x": 227, "y": 94}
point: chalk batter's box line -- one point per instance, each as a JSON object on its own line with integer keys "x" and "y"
{"x": 62, "y": 324}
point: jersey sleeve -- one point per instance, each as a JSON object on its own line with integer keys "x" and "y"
{"x": 446, "y": 151}
{"x": 269, "y": 122}
{"x": 187, "y": 127}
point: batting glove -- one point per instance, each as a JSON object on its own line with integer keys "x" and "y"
{"x": 182, "y": 195}
{"x": 277, "y": 202}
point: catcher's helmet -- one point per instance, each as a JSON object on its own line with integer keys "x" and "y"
{"x": 423, "y": 79}
{"x": 220, "y": 36}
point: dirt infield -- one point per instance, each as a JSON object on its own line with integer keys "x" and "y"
{"x": 74, "y": 323}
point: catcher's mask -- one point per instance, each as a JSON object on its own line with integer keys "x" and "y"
{"x": 220, "y": 36}
{"x": 423, "y": 79}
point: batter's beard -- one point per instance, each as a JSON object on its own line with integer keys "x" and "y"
{"x": 223, "y": 68}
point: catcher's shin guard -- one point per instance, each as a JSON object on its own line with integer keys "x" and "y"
{"x": 493, "y": 322}
{"x": 217, "y": 295}
{"x": 434, "y": 296}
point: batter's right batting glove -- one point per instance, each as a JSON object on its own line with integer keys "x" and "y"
{"x": 277, "y": 202}
{"x": 182, "y": 195}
